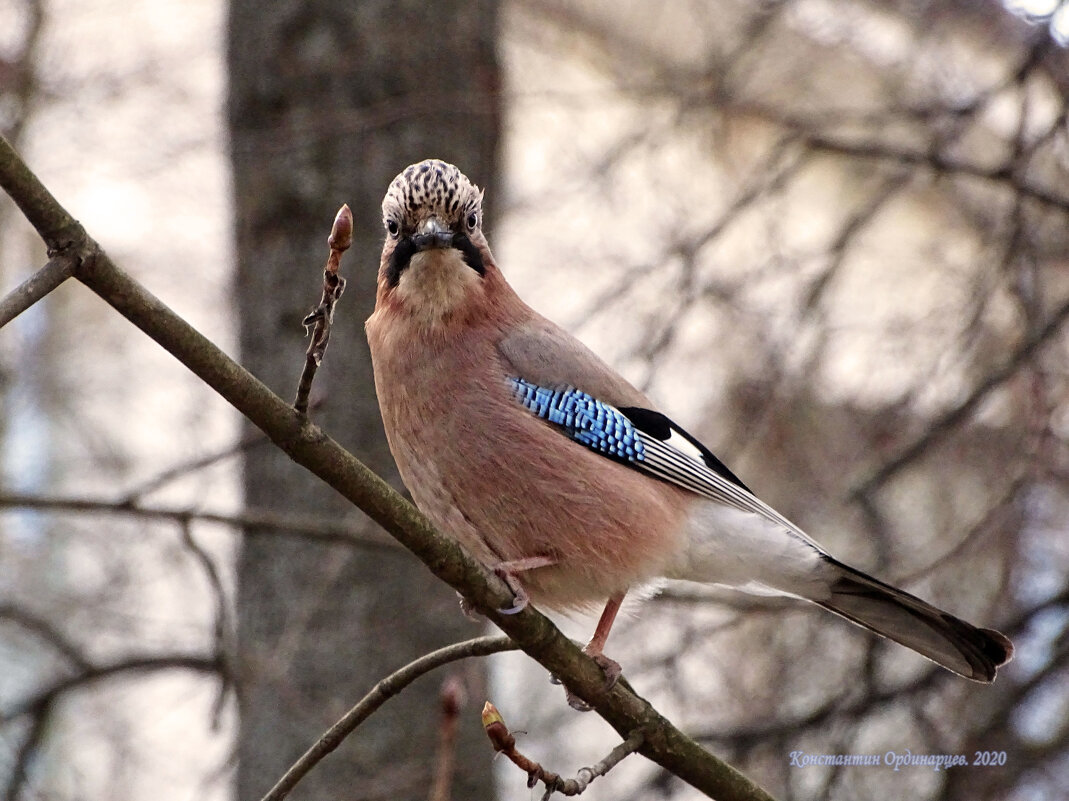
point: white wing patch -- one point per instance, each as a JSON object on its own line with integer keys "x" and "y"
{"x": 683, "y": 445}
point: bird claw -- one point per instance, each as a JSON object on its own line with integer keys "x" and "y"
{"x": 507, "y": 572}
{"x": 610, "y": 667}
{"x": 468, "y": 608}
{"x": 518, "y": 605}
{"x": 521, "y": 600}
{"x": 577, "y": 703}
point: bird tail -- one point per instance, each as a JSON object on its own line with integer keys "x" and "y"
{"x": 956, "y": 645}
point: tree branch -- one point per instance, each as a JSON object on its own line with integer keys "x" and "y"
{"x": 27, "y": 750}
{"x": 321, "y": 320}
{"x": 178, "y": 471}
{"x": 221, "y": 628}
{"x": 936, "y": 163}
{"x": 34, "y": 288}
{"x": 452, "y": 698}
{"x": 253, "y": 522}
{"x": 950, "y": 419}
{"x": 380, "y": 694}
{"x": 33, "y": 704}
{"x": 505, "y": 743}
{"x": 55, "y": 226}
{"x": 46, "y": 632}
{"x": 307, "y": 445}
{"x": 41, "y": 705}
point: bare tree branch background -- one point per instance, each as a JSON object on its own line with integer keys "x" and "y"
{"x": 311, "y": 448}
{"x": 380, "y": 694}
{"x": 829, "y": 236}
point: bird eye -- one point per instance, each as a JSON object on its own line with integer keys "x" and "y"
{"x": 473, "y": 220}
{"x": 393, "y": 227}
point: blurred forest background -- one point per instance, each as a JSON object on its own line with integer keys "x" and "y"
{"x": 830, "y": 237}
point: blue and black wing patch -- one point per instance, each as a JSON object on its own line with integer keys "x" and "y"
{"x": 642, "y": 439}
{"x": 585, "y": 419}
{"x": 646, "y": 441}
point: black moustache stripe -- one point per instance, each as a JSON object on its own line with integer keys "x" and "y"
{"x": 472, "y": 257}
{"x": 399, "y": 260}
{"x": 406, "y": 248}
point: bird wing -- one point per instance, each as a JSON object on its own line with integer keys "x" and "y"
{"x": 560, "y": 380}
{"x": 644, "y": 439}
{"x": 543, "y": 353}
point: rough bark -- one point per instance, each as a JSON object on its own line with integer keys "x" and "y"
{"x": 328, "y": 101}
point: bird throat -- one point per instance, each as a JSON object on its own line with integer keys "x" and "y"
{"x": 435, "y": 284}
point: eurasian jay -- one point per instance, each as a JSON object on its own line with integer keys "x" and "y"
{"x": 545, "y": 464}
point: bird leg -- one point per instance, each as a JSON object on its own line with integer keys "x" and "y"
{"x": 596, "y": 645}
{"x": 509, "y": 571}
{"x": 594, "y": 649}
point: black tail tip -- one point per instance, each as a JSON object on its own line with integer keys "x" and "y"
{"x": 993, "y": 649}
{"x": 997, "y": 647}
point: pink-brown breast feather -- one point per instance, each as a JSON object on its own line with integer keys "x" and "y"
{"x": 503, "y": 482}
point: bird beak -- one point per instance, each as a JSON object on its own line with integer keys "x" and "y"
{"x": 432, "y": 234}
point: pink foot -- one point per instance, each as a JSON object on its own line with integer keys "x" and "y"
{"x": 509, "y": 572}
{"x": 612, "y": 670}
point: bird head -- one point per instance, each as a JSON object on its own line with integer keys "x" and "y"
{"x": 435, "y": 259}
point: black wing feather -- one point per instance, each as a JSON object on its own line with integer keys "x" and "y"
{"x": 661, "y": 427}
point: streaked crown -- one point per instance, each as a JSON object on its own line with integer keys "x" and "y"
{"x": 431, "y": 188}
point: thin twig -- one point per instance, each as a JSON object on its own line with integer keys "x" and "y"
{"x": 380, "y": 694}
{"x": 202, "y": 557}
{"x": 33, "y": 704}
{"x": 221, "y": 627}
{"x": 505, "y": 743}
{"x": 950, "y": 419}
{"x": 253, "y": 522}
{"x": 248, "y": 442}
{"x": 987, "y": 522}
{"x": 40, "y": 706}
{"x": 19, "y": 299}
{"x": 452, "y": 698}
{"x": 322, "y": 317}
{"x": 28, "y": 749}
{"x": 937, "y": 163}
{"x": 45, "y": 631}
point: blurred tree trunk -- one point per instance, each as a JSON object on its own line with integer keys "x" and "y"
{"x": 328, "y": 101}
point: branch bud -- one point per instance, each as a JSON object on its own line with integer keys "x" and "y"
{"x": 500, "y": 736}
{"x": 341, "y": 233}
